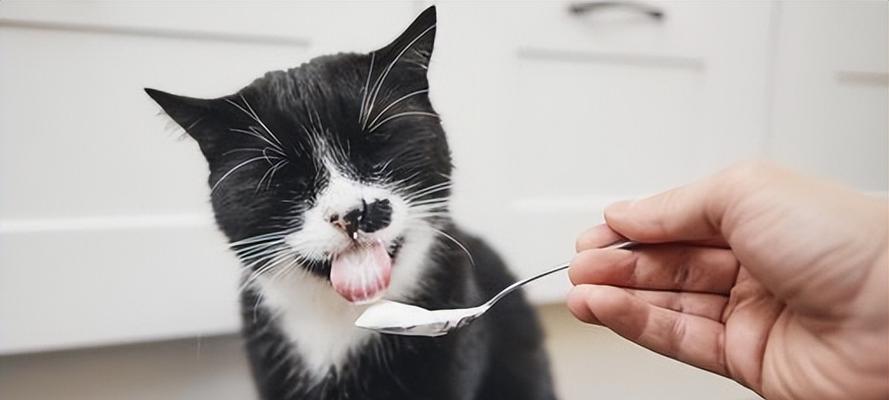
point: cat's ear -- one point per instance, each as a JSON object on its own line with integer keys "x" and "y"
{"x": 202, "y": 119}
{"x": 414, "y": 46}
{"x": 188, "y": 112}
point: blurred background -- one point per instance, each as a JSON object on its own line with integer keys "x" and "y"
{"x": 114, "y": 282}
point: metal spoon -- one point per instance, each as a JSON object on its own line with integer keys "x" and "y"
{"x": 396, "y": 318}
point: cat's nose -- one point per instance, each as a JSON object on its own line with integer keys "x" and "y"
{"x": 367, "y": 218}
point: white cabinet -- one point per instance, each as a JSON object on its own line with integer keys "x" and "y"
{"x": 831, "y": 91}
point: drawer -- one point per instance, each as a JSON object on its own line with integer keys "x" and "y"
{"x": 102, "y": 285}
{"x": 681, "y": 29}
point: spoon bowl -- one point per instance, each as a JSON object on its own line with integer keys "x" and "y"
{"x": 396, "y": 318}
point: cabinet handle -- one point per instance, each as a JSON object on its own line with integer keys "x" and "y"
{"x": 588, "y": 7}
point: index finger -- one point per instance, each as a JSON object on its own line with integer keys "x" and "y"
{"x": 597, "y": 237}
{"x": 692, "y": 213}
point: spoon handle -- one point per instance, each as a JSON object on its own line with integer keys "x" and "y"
{"x": 509, "y": 289}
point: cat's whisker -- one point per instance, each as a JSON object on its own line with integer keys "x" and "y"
{"x": 428, "y": 190}
{"x": 268, "y": 157}
{"x": 439, "y": 205}
{"x": 287, "y": 268}
{"x": 254, "y": 250}
{"x": 427, "y": 200}
{"x": 365, "y": 96}
{"x": 249, "y": 132}
{"x": 402, "y": 114}
{"x": 253, "y": 273}
{"x": 264, "y": 260}
{"x": 252, "y": 114}
{"x": 433, "y": 186}
{"x": 437, "y": 200}
{"x": 404, "y": 189}
{"x": 272, "y": 169}
{"x": 269, "y": 264}
{"x": 262, "y": 178}
{"x": 252, "y": 243}
{"x": 226, "y": 175}
{"x": 254, "y": 150}
{"x": 430, "y": 212}
{"x": 432, "y": 217}
{"x": 380, "y": 168}
{"x": 295, "y": 259}
{"x": 398, "y": 186}
{"x": 430, "y": 197}
{"x": 255, "y": 243}
{"x": 423, "y": 66}
{"x": 257, "y": 119}
{"x": 253, "y": 133}
{"x": 263, "y": 257}
{"x": 275, "y": 170}
{"x": 452, "y": 239}
{"x": 438, "y": 211}
{"x": 259, "y": 297}
{"x": 258, "y": 246}
{"x": 257, "y": 253}
{"x": 333, "y": 145}
{"x": 255, "y": 238}
{"x": 394, "y": 103}
{"x": 422, "y": 215}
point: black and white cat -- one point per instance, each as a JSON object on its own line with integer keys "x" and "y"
{"x": 331, "y": 181}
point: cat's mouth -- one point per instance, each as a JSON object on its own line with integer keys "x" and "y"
{"x": 361, "y": 272}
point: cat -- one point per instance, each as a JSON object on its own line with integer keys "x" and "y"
{"x": 331, "y": 181}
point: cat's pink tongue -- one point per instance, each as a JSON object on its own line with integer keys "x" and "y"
{"x": 361, "y": 274}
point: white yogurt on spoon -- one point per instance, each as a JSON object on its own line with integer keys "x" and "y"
{"x": 397, "y": 318}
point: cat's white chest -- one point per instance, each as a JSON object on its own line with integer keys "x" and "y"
{"x": 318, "y": 322}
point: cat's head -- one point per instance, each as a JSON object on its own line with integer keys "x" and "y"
{"x": 332, "y": 167}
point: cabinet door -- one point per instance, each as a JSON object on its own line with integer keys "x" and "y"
{"x": 598, "y": 106}
{"x": 830, "y": 91}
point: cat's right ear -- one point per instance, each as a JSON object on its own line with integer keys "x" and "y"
{"x": 188, "y": 112}
{"x": 200, "y": 118}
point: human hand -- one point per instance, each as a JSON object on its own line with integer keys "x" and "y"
{"x": 757, "y": 274}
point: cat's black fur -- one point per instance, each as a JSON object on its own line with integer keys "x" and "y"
{"x": 500, "y": 356}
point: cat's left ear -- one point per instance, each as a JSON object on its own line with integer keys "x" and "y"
{"x": 413, "y": 48}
